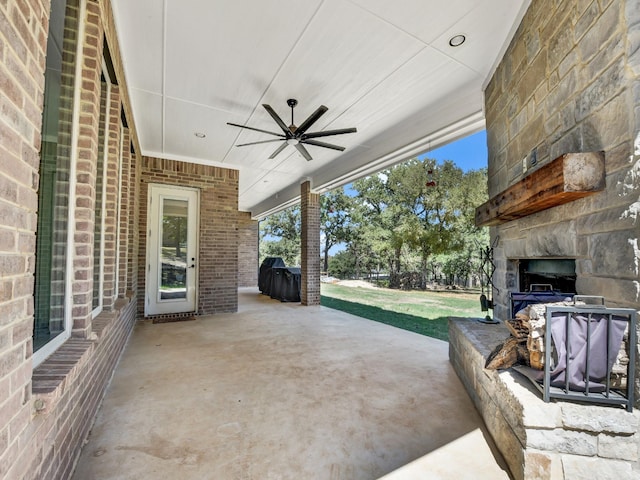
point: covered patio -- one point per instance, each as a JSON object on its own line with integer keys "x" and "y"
{"x": 140, "y": 144}
{"x": 283, "y": 391}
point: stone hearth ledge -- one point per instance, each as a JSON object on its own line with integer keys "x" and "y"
{"x": 556, "y": 440}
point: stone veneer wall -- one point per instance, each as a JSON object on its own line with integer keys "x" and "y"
{"x": 219, "y": 219}
{"x": 248, "y": 238}
{"x": 569, "y": 83}
{"x": 554, "y": 441}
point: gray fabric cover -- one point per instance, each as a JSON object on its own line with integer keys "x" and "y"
{"x": 576, "y": 358}
{"x": 264, "y": 275}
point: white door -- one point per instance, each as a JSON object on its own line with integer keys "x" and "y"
{"x": 172, "y": 232}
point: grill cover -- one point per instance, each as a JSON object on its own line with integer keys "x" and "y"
{"x": 264, "y": 276}
{"x": 285, "y": 284}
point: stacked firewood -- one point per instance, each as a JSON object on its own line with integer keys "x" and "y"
{"x": 512, "y": 351}
{"x": 525, "y": 344}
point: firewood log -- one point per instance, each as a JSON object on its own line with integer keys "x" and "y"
{"x": 518, "y": 328}
{"x": 505, "y": 355}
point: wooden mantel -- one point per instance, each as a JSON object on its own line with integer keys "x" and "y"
{"x": 567, "y": 178}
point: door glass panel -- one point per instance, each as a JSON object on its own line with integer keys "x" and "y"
{"x": 173, "y": 253}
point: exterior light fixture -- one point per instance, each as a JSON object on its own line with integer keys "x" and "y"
{"x": 430, "y": 181}
{"x": 457, "y": 40}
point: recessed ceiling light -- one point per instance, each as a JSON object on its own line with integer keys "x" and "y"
{"x": 457, "y": 40}
{"x": 200, "y": 134}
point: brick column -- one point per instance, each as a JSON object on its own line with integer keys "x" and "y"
{"x": 248, "y": 240}
{"x": 126, "y": 208}
{"x": 111, "y": 215}
{"x": 86, "y": 171}
{"x": 310, "y": 247}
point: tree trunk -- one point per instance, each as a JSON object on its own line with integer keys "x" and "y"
{"x": 423, "y": 270}
{"x": 394, "y": 270}
{"x": 326, "y": 259}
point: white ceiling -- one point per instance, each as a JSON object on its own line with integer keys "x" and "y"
{"x": 383, "y": 67}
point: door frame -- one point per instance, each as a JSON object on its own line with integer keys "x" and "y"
{"x": 162, "y": 191}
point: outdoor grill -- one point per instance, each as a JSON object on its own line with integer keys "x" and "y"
{"x": 279, "y": 281}
{"x": 520, "y": 300}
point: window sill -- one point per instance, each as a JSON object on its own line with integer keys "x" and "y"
{"x": 53, "y": 377}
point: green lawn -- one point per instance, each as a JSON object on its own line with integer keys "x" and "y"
{"x": 425, "y": 313}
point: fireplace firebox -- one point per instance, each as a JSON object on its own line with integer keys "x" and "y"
{"x": 559, "y": 274}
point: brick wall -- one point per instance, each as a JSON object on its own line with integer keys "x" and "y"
{"x": 23, "y": 33}
{"x": 123, "y": 227}
{"x": 63, "y": 414}
{"x": 86, "y": 165}
{"x": 112, "y": 180}
{"x": 47, "y": 412}
{"x": 129, "y": 193}
{"x": 310, "y": 248}
{"x": 218, "y": 240}
{"x": 133, "y": 245}
{"x": 248, "y": 238}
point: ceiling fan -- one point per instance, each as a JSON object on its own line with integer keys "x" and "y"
{"x": 297, "y": 136}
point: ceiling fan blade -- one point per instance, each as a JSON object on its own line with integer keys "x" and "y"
{"x": 323, "y": 144}
{"x": 255, "y": 129}
{"x": 278, "y": 150}
{"x": 313, "y": 118}
{"x": 256, "y": 143}
{"x": 278, "y": 120}
{"x": 303, "y": 151}
{"x": 327, "y": 133}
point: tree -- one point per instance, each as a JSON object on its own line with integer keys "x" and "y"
{"x": 420, "y": 208}
{"x": 280, "y": 236}
{"x": 174, "y": 232}
{"x": 377, "y": 219}
{"x": 415, "y": 218}
{"x": 465, "y": 263}
{"x": 335, "y": 220}
{"x": 342, "y": 265}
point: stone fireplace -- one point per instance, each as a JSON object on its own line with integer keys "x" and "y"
{"x": 569, "y": 83}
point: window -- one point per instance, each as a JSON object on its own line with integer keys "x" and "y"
{"x": 116, "y": 285}
{"x": 52, "y": 313}
{"x": 101, "y": 194}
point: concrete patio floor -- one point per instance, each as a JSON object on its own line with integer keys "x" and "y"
{"x": 281, "y": 391}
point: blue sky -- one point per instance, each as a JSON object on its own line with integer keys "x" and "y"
{"x": 468, "y": 153}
